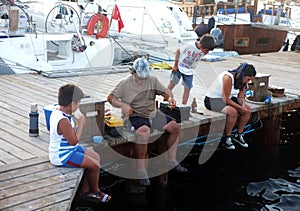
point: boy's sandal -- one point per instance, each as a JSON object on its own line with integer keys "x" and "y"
{"x": 95, "y": 198}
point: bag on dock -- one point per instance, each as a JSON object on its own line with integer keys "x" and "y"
{"x": 179, "y": 113}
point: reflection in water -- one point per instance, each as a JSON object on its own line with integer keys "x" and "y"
{"x": 279, "y": 193}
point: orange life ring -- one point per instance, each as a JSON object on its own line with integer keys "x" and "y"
{"x": 92, "y": 23}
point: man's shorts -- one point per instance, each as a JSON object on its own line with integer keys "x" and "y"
{"x": 158, "y": 122}
{"x": 187, "y": 80}
{"x": 76, "y": 158}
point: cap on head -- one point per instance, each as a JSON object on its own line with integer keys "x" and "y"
{"x": 141, "y": 67}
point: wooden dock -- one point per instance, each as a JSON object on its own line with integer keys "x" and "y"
{"x": 29, "y": 182}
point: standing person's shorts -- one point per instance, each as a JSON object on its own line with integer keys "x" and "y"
{"x": 76, "y": 158}
{"x": 187, "y": 80}
{"x": 158, "y": 122}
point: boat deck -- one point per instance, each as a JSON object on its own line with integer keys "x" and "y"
{"x": 28, "y": 181}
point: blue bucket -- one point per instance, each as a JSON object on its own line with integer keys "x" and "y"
{"x": 48, "y": 110}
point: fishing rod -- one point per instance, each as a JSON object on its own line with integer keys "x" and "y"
{"x": 248, "y": 129}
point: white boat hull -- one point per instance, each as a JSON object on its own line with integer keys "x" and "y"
{"x": 51, "y": 52}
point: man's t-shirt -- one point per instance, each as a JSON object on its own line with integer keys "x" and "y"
{"x": 141, "y": 97}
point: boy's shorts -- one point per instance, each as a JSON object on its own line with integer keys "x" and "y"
{"x": 187, "y": 80}
{"x": 76, "y": 158}
{"x": 158, "y": 122}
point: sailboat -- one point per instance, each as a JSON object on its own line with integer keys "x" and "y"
{"x": 29, "y": 49}
{"x": 154, "y": 29}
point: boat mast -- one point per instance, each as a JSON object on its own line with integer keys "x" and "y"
{"x": 255, "y": 7}
{"x": 279, "y": 11}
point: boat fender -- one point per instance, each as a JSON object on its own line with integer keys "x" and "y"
{"x": 92, "y": 23}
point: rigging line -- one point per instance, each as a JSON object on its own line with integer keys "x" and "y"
{"x": 201, "y": 81}
{"x": 120, "y": 45}
{"x": 162, "y": 36}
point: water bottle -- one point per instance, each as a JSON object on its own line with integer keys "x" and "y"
{"x": 248, "y": 93}
{"x": 268, "y": 99}
{"x": 33, "y": 121}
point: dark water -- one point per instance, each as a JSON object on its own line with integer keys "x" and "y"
{"x": 258, "y": 178}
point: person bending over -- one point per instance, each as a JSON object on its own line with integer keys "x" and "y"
{"x": 186, "y": 61}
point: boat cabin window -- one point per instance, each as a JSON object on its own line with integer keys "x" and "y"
{"x": 263, "y": 41}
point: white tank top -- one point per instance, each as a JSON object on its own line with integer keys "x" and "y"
{"x": 215, "y": 90}
{"x": 60, "y": 150}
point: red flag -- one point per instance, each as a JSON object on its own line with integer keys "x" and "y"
{"x": 116, "y": 15}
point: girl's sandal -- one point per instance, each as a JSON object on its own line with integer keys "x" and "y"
{"x": 100, "y": 197}
{"x": 103, "y": 197}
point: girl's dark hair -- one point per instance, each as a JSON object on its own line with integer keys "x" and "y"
{"x": 244, "y": 69}
{"x": 69, "y": 93}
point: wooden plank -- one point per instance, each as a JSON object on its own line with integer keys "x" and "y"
{"x": 19, "y": 176}
{"x": 61, "y": 200}
{"x": 18, "y": 137}
{"x": 21, "y": 106}
{"x": 56, "y": 176}
{"x": 37, "y": 184}
{"x": 32, "y": 173}
{"x": 14, "y": 150}
{"x": 41, "y": 197}
{"x": 23, "y": 164}
{"x": 17, "y": 117}
{"x": 24, "y": 92}
{"x": 6, "y": 158}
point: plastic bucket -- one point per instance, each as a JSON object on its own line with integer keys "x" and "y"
{"x": 48, "y": 110}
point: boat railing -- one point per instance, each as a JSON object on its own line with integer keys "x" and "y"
{"x": 272, "y": 9}
{"x": 14, "y": 23}
{"x": 199, "y": 8}
{"x": 272, "y": 13}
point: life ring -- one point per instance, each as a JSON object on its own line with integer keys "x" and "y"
{"x": 92, "y": 23}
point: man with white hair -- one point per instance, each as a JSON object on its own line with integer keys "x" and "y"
{"x": 135, "y": 95}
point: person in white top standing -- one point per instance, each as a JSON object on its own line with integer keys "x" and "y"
{"x": 186, "y": 60}
{"x": 227, "y": 95}
{"x": 64, "y": 147}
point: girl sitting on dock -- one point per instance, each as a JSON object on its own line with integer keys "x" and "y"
{"x": 227, "y": 95}
{"x": 64, "y": 147}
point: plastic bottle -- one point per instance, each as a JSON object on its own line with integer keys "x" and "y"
{"x": 268, "y": 99}
{"x": 248, "y": 93}
{"x": 194, "y": 106}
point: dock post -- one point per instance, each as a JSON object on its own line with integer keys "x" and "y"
{"x": 271, "y": 127}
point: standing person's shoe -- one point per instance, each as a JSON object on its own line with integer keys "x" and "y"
{"x": 177, "y": 167}
{"x": 143, "y": 178}
{"x": 238, "y": 138}
{"x": 228, "y": 143}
